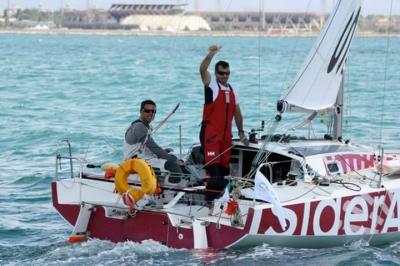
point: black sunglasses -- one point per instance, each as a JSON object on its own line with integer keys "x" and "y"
{"x": 223, "y": 73}
{"x": 153, "y": 111}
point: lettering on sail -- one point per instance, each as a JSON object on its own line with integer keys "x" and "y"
{"x": 343, "y": 44}
{"x": 373, "y": 213}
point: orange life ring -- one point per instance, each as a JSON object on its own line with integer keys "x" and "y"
{"x": 148, "y": 179}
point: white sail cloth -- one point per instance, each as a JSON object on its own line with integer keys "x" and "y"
{"x": 317, "y": 83}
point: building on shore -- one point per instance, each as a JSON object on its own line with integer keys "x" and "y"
{"x": 158, "y": 17}
{"x": 272, "y": 23}
{"x": 135, "y": 17}
{"x": 89, "y": 19}
{"x": 173, "y": 18}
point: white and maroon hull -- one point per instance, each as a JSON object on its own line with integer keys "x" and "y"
{"x": 314, "y": 221}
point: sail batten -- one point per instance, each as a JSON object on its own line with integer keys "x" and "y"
{"x": 317, "y": 83}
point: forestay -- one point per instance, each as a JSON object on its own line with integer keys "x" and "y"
{"x": 317, "y": 83}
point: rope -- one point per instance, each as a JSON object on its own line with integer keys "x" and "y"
{"x": 259, "y": 60}
{"x": 129, "y": 200}
{"x": 383, "y": 96}
{"x": 385, "y": 73}
{"x": 216, "y": 157}
{"x": 292, "y": 53}
{"x": 348, "y": 126}
{"x": 258, "y": 158}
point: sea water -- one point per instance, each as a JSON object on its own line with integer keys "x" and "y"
{"x": 87, "y": 89}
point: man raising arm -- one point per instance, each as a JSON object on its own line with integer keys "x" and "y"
{"x": 221, "y": 105}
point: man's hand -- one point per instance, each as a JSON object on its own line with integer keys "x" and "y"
{"x": 214, "y": 49}
{"x": 205, "y": 75}
{"x": 181, "y": 162}
{"x": 243, "y": 138}
{"x": 242, "y": 135}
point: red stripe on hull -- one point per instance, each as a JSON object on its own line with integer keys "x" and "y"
{"x": 149, "y": 225}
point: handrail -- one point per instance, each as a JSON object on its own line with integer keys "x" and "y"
{"x": 70, "y": 158}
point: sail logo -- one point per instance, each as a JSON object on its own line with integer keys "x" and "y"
{"x": 343, "y": 45}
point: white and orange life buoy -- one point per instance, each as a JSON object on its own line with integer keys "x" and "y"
{"x": 148, "y": 180}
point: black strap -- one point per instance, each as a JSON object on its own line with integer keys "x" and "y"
{"x": 136, "y": 121}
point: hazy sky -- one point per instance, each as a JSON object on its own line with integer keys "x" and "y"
{"x": 370, "y": 6}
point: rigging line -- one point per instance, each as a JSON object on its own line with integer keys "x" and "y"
{"x": 175, "y": 51}
{"x": 355, "y": 170}
{"x": 292, "y": 53}
{"x": 385, "y": 69}
{"x": 260, "y": 152}
{"x": 259, "y": 55}
{"x": 348, "y": 98}
{"x": 227, "y": 7}
{"x": 216, "y": 157}
{"x": 260, "y": 158}
{"x": 317, "y": 49}
{"x": 263, "y": 158}
{"x": 108, "y": 143}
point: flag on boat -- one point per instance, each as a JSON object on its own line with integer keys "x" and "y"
{"x": 263, "y": 190}
{"x": 225, "y": 198}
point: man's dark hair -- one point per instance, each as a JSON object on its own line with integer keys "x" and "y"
{"x": 223, "y": 64}
{"x": 146, "y": 102}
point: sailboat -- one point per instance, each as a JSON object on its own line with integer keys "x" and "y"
{"x": 285, "y": 191}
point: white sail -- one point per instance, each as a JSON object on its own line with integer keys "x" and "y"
{"x": 317, "y": 83}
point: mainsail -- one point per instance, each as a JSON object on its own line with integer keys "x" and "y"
{"x": 317, "y": 83}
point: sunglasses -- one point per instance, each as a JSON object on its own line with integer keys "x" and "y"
{"x": 223, "y": 73}
{"x": 147, "y": 111}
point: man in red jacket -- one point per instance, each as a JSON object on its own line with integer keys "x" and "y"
{"x": 221, "y": 105}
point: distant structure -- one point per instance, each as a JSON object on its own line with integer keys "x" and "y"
{"x": 144, "y": 17}
{"x": 121, "y": 11}
{"x": 89, "y": 19}
{"x": 166, "y": 23}
{"x": 157, "y": 17}
{"x": 172, "y": 17}
{"x": 259, "y": 21}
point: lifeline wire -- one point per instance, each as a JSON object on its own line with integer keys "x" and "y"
{"x": 385, "y": 73}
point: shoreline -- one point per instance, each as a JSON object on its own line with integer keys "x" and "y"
{"x": 101, "y": 32}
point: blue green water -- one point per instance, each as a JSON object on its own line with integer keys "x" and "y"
{"x": 88, "y": 88}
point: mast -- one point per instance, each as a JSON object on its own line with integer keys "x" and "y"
{"x": 338, "y": 116}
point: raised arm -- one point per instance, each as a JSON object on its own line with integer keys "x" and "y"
{"x": 205, "y": 75}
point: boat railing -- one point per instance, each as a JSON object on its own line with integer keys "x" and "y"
{"x": 59, "y": 159}
{"x": 71, "y": 158}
